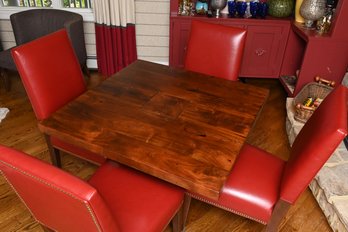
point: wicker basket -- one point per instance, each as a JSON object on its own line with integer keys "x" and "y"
{"x": 319, "y": 89}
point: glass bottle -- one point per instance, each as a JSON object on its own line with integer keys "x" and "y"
{"x": 324, "y": 23}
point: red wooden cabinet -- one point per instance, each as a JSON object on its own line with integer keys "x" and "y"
{"x": 179, "y": 35}
{"x": 276, "y": 47}
{"x": 264, "y": 49}
{"x": 317, "y": 55}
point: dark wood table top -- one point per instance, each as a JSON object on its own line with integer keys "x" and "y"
{"x": 182, "y": 127}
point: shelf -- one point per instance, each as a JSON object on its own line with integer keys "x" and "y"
{"x": 227, "y": 17}
{"x": 308, "y": 34}
{"x": 289, "y": 83}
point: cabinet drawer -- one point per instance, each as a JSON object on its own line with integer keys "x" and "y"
{"x": 264, "y": 50}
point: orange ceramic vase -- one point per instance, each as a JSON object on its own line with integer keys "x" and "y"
{"x": 298, "y": 17}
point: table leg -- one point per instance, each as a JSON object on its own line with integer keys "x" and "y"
{"x": 186, "y": 207}
{"x": 54, "y": 153}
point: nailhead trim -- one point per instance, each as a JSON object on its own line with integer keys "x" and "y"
{"x": 225, "y": 208}
{"x": 51, "y": 186}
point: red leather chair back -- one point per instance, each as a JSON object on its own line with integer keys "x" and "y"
{"x": 315, "y": 143}
{"x": 50, "y": 72}
{"x": 57, "y": 199}
{"x": 215, "y": 50}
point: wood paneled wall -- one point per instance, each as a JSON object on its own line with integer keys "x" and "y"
{"x": 152, "y": 32}
{"x": 152, "y": 28}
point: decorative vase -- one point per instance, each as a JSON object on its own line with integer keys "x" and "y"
{"x": 280, "y": 8}
{"x": 298, "y": 16}
{"x": 217, "y": 6}
{"x": 241, "y": 8}
{"x": 254, "y": 8}
{"x": 232, "y": 8}
{"x": 201, "y": 7}
{"x": 312, "y": 10}
{"x": 262, "y": 9}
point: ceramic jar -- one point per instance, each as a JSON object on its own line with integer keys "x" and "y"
{"x": 298, "y": 16}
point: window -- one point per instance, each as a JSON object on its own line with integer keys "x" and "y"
{"x": 83, "y": 7}
{"x": 48, "y": 3}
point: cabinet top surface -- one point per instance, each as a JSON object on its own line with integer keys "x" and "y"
{"x": 225, "y": 17}
{"x": 308, "y": 34}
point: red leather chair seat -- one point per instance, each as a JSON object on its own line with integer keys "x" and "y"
{"x": 129, "y": 194}
{"x": 264, "y": 173}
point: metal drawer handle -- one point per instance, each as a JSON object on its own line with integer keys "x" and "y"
{"x": 260, "y": 51}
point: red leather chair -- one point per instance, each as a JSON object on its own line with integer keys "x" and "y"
{"x": 215, "y": 50}
{"x": 116, "y": 198}
{"x": 262, "y": 187}
{"x": 52, "y": 77}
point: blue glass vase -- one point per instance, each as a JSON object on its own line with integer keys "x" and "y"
{"x": 241, "y": 8}
{"x": 232, "y": 8}
{"x": 254, "y": 8}
{"x": 262, "y": 9}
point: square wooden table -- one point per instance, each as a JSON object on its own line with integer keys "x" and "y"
{"x": 182, "y": 127}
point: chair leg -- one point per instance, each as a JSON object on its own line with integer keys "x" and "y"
{"x": 186, "y": 208}
{"x": 177, "y": 221}
{"x": 242, "y": 79}
{"x": 5, "y": 79}
{"x": 279, "y": 212}
{"x": 54, "y": 153}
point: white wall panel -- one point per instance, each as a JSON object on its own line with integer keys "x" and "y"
{"x": 159, "y": 7}
{"x": 90, "y": 39}
{"x": 153, "y": 51}
{"x": 152, "y": 19}
{"x": 5, "y": 25}
{"x": 154, "y": 30}
{"x": 7, "y": 45}
{"x": 7, "y": 36}
{"x": 89, "y": 28}
{"x": 149, "y": 40}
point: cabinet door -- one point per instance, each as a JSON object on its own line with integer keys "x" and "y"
{"x": 264, "y": 49}
{"x": 180, "y": 31}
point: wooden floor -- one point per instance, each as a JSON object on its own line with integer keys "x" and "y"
{"x": 19, "y": 130}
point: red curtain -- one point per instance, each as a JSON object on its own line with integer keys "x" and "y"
{"x": 115, "y": 34}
